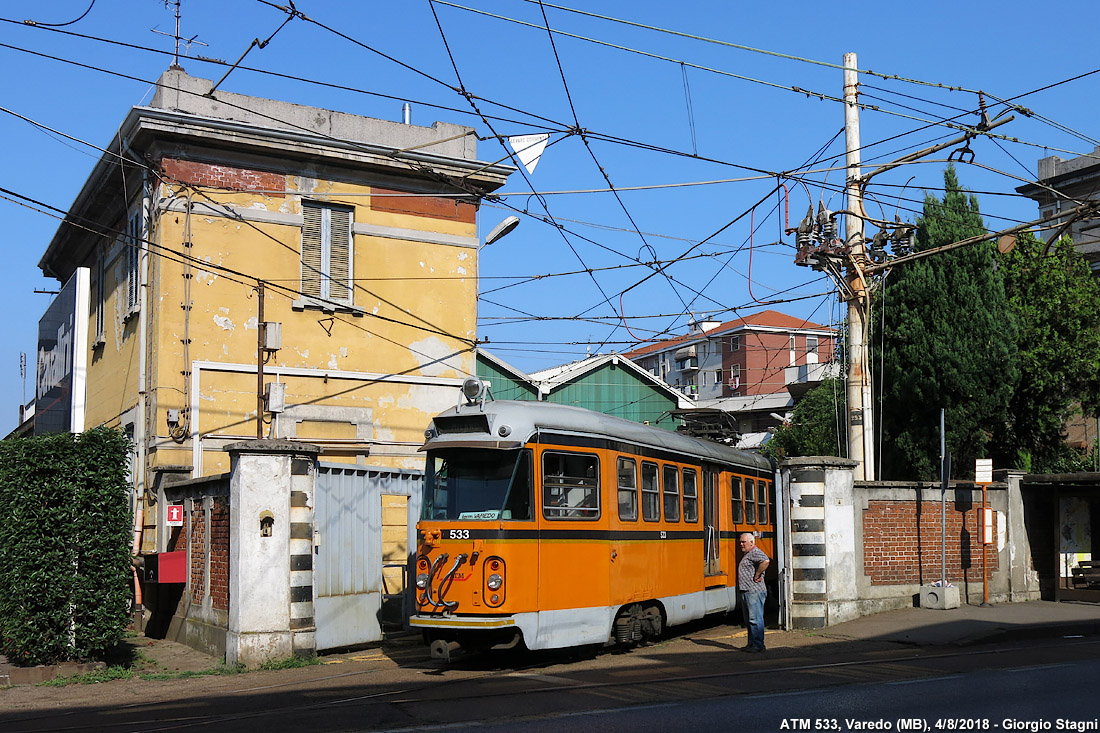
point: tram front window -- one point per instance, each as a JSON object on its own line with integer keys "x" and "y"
{"x": 470, "y": 484}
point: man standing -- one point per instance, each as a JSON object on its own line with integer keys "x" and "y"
{"x": 750, "y": 584}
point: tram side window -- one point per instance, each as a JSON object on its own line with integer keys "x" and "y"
{"x": 691, "y": 494}
{"x": 628, "y": 490}
{"x": 570, "y": 486}
{"x": 750, "y": 501}
{"x": 762, "y": 503}
{"x": 651, "y": 493}
{"x": 672, "y": 494}
{"x": 735, "y": 491}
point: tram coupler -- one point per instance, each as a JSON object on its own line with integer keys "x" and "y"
{"x": 442, "y": 650}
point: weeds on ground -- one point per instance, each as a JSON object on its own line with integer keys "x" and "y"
{"x": 291, "y": 662}
{"x": 107, "y": 674}
{"x": 96, "y": 676}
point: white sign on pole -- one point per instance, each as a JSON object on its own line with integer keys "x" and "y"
{"x": 983, "y": 471}
{"x": 529, "y": 149}
{"x": 987, "y": 526}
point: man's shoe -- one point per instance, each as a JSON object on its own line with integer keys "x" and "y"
{"x": 754, "y": 649}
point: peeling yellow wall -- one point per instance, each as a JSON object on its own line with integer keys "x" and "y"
{"x": 113, "y": 365}
{"x": 419, "y": 303}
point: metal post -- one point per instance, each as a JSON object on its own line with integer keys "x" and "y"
{"x": 861, "y": 428}
{"x": 260, "y": 360}
{"x": 944, "y": 478}
{"x": 985, "y": 570}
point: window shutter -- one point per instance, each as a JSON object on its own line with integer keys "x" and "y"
{"x": 311, "y": 251}
{"x": 99, "y": 301}
{"x": 133, "y": 257}
{"x": 340, "y": 255}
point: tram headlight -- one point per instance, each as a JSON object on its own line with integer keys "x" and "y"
{"x": 494, "y": 582}
{"x": 473, "y": 389}
{"x": 422, "y": 581}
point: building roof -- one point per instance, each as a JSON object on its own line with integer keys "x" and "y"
{"x": 751, "y": 403}
{"x": 186, "y": 115}
{"x": 764, "y": 320}
{"x": 554, "y": 377}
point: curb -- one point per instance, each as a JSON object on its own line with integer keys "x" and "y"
{"x": 12, "y": 675}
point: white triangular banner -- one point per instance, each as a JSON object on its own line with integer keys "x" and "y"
{"x": 529, "y": 148}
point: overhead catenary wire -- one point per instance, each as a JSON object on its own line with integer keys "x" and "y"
{"x": 620, "y": 187}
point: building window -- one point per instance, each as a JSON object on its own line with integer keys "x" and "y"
{"x": 99, "y": 302}
{"x": 717, "y": 377}
{"x": 735, "y": 376}
{"x": 326, "y": 253}
{"x": 811, "y": 345}
{"x": 735, "y": 343}
{"x": 794, "y": 359}
{"x": 134, "y": 242}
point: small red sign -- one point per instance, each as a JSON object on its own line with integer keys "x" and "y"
{"x": 175, "y": 515}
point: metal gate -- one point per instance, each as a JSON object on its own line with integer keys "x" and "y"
{"x": 358, "y": 561}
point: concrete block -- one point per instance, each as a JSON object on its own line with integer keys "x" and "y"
{"x": 940, "y": 598}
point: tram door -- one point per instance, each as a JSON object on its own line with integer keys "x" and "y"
{"x": 712, "y": 564}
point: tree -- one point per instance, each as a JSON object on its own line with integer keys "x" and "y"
{"x": 817, "y": 426}
{"x": 948, "y": 341}
{"x": 1056, "y": 302}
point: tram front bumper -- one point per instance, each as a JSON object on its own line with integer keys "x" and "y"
{"x": 472, "y": 623}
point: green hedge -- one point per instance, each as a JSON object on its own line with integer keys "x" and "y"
{"x": 65, "y": 534}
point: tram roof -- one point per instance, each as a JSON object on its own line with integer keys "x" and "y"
{"x": 525, "y": 418}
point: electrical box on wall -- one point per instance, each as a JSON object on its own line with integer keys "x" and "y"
{"x": 275, "y": 396}
{"x": 273, "y": 336}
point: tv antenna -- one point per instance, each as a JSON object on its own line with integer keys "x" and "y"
{"x": 177, "y": 37}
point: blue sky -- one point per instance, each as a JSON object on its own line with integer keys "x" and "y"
{"x": 688, "y": 132}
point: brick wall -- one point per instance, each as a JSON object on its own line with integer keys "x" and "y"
{"x": 197, "y": 570}
{"x": 177, "y": 538}
{"x": 224, "y": 176}
{"x": 219, "y": 554}
{"x": 901, "y": 542}
{"x": 435, "y": 207}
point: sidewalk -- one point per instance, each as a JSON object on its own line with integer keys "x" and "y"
{"x": 972, "y": 624}
{"x": 920, "y": 627}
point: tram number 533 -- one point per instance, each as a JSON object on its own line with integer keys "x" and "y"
{"x": 458, "y": 534}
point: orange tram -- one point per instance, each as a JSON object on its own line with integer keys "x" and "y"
{"x": 555, "y": 526}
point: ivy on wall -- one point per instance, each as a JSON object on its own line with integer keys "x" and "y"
{"x": 65, "y": 532}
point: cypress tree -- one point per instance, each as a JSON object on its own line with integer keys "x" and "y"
{"x": 949, "y": 342}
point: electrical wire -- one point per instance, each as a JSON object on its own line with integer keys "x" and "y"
{"x": 62, "y": 25}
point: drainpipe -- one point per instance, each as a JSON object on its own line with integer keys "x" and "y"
{"x": 139, "y": 527}
{"x": 141, "y": 424}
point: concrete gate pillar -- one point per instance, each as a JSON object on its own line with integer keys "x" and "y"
{"x": 822, "y": 541}
{"x": 270, "y": 551}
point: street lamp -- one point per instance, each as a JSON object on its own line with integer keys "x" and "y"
{"x": 501, "y": 230}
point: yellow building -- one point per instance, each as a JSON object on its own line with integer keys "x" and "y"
{"x": 353, "y": 239}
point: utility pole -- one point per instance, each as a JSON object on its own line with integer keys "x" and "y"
{"x": 260, "y": 328}
{"x": 861, "y": 425}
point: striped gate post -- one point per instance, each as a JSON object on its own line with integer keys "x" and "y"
{"x": 270, "y": 537}
{"x": 821, "y": 540}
